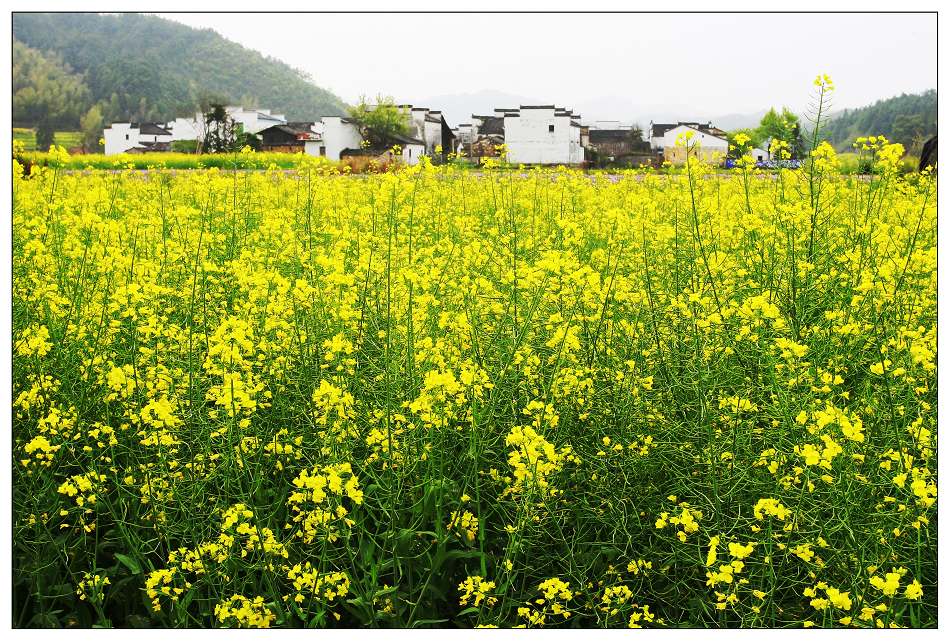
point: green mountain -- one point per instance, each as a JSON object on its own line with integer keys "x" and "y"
{"x": 908, "y": 119}
{"x": 45, "y": 87}
{"x": 140, "y": 67}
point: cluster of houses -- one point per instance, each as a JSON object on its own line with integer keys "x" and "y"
{"x": 529, "y": 134}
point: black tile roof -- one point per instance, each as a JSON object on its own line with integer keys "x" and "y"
{"x": 406, "y": 140}
{"x": 659, "y": 129}
{"x": 609, "y": 135}
{"x": 151, "y": 129}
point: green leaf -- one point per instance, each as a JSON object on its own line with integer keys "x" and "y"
{"x": 129, "y": 562}
{"x": 422, "y": 622}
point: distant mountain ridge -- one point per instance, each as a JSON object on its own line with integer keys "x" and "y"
{"x": 147, "y": 68}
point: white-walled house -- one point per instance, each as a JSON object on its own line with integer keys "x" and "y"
{"x": 428, "y": 131}
{"x": 121, "y": 137}
{"x": 662, "y": 136}
{"x": 255, "y": 120}
{"x": 252, "y": 121}
{"x": 711, "y": 147}
{"x": 339, "y": 134}
{"x": 186, "y": 129}
{"x": 412, "y": 149}
{"x": 542, "y": 135}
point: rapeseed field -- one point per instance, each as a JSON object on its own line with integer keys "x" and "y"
{"x": 438, "y": 397}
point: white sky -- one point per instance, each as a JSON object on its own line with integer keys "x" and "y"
{"x": 714, "y": 63}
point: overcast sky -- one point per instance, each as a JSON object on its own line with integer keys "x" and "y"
{"x": 716, "y": 63}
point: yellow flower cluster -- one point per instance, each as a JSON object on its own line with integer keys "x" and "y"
{"x": 465, "y": 524}
{"x": 687, "y": 520}
{"x": 553, "y": 602}
{"x": 92, "y": 587}
{"x": 533, "y": 461}
{"x": 476, "y": 590}
{"x": 39, "y": 451}
{"x": 240, "y": 612}
{"x": 317, "y": 505}
{"x": 33, "y": 341}
{"x": 309, "y": 583}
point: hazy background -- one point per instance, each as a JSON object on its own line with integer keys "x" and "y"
{"x": 623, "y": 66}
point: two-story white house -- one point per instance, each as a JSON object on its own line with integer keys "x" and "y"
{"x": 122, "y": 137}
{"x": 543, "y": 135}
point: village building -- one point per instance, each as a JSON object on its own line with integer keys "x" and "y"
{"x": 429, "y": 134}
{"x": 252, "y": 121}
{"x": 429, "y": 126}
{"x": 708, "y": 143}
{"x": 660, "y": 137}
{"x": 405, "y": 149}
{"x": 609, "y": 142}
{"x": 338, "y": 134}
{"x": 532, "y": 135}
{"x": 293, "y": 137}
{"x": 134, "y": 137}
{"x": 482, "y": 137}
{"x": 543, "y": 135}
{"x": 760, "y": 155}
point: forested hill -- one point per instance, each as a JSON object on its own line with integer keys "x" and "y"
{"x": 147, "y": 68}
{"x": 908, "y": 119}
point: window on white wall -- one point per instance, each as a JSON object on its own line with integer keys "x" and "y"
{"x": 551, "y": 129}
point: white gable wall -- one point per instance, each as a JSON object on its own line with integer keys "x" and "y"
{"x": 433, "y": 136}
{"x": 531, "y": 140}
{"x": 120, "y": 137}
{"x": 186, "y": 129}
{"x": 339, "y": 135}
{"x": 254, "y": 120}
{"x": 411, "y": 154}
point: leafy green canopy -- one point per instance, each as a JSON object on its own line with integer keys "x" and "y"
{"x": 379, "y": 122}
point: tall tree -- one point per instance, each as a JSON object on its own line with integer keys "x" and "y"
{"x": 379, "y": 122}
{"x": 91, "y": 126}
{"x": 45, "y": 133}
{"x": 220, "y": 130}
{"x": 781, "y": 126}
